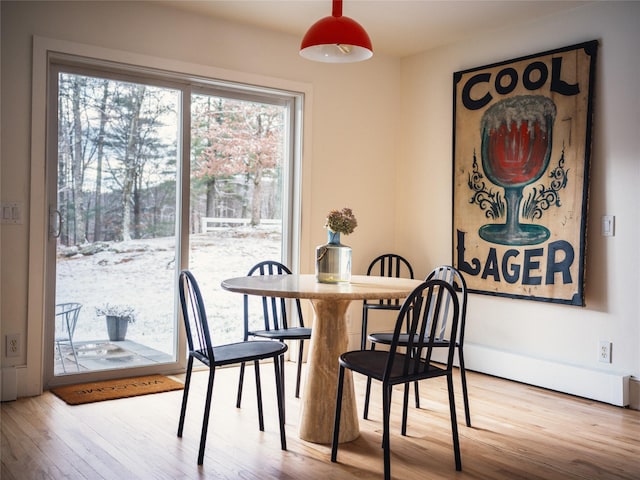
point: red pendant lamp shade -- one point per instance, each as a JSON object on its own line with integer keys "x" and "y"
{"x": 336, "y": 39}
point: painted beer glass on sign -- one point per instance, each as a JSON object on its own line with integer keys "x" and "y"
{"x": 516, "y": 147}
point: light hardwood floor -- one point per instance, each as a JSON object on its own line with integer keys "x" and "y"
{"x": 519, "y": 432}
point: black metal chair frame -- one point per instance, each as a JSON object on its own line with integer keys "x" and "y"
{"x": 452, "y": 276}
{"x": 276, "y": 322}
{"x": 201, "y": 348}
{"x": 67, "y": 313}
{"x": 426, "y": 308}
{"x": 386, "y": 265}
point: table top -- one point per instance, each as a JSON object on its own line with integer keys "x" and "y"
{"x": 361, "y": 287}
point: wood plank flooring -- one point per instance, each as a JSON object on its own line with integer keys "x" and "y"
{"x": 518, "y": 432}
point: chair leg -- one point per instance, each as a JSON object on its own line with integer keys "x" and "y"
{"x": 64, "y": 369}
{"x": 405, "y": 407}
{"x": 282, "y": 377}
{"x": 205, "y": 419}
{"x": 417, "y": 393}
{"x": 367, "y": 394}
{"x": 280, "y": 397}
{"x": 75, "y": 355}
{"x": 240, "y": 384}
{"x": 454, "y": 423}
{"x": 386, "y": 413}
{"x": 363, "y": 334}
{"x": 336, "y": 424}
{"x": 465, "y": 396}
{"x": 300, "y": 352}
{"x": 259, "y": 395}
{"x": 185, "y": 394}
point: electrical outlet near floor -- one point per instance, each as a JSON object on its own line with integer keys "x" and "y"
{"x": 604, "y": 351}
{"x": 12, "y": 345}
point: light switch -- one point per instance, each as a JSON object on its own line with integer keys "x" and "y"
{"x": 608, "y": 225}
{"x": 11, "y": 212}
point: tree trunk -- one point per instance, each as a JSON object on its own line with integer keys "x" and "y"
{"x": 97, "y": 226}
{"x": 77, "y": 168}
{"x": 64, "y": 154}
{"x": 211, "y": 197}
{"x": 130, "y": 163}
{"x": 136, "y": 209}
{"x": 256, "y": 199}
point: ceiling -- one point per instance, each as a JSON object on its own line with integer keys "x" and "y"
{"x": 396, "y": 27}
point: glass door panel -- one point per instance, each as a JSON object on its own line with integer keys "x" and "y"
{"x": 116, "y": 218}
{"x": 237, "y": 190}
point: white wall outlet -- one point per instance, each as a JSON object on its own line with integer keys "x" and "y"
{"x": 12, "y": 345}
{"x": 604, "y": 351}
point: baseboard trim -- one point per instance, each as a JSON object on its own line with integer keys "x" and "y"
{"x": 634, "y": 393}
{"x": 9, "y": 384}
{"x": 609, "y": 387}
{"x": 603, "y": 386}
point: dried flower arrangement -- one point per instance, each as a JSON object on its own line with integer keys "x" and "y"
{"x": 341, "y": 221}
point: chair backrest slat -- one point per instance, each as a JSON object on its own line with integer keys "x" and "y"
{"x": 67, "y": 318}
{"x": 274, "y": 310}
{"x": 453, "y": 277}
{"x": 390, "y": 265}
{"x": 194, "y": 316}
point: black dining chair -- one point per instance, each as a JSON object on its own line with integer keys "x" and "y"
{"x": 427, "y": 311}
{"x": 386, "y": 265}
{"x": 276, "y": 321}
{"x": 452, "y": 276}
{"x": 201, "y": 348}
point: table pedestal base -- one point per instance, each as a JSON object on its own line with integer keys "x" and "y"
{"x": 329, "y": 340}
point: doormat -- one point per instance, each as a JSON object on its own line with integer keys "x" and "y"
{"x": 113, "y": 389}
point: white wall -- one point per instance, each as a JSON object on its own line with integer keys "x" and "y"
{"x": 540, "y": 343}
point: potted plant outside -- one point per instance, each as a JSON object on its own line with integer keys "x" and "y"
{"x": 118, "y": 318}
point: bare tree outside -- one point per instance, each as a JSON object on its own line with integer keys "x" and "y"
{"x": 112, "y": 156}
{"x": 237, "y": 142}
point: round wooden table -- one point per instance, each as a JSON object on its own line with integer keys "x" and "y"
{"x": 329, "y": 340}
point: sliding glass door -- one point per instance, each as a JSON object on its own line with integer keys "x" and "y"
{"x": 148, "y": 175}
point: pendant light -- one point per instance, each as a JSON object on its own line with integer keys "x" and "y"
{"x": 336, "y": 39}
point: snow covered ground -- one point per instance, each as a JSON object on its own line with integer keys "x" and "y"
{"x": 141, "y": 273}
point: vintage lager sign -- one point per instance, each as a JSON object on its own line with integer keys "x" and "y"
{"x": 521, "y": 152}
